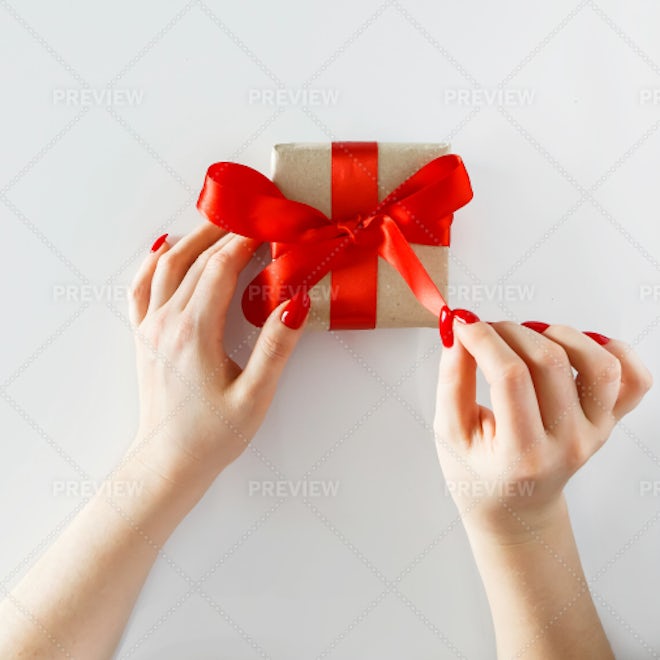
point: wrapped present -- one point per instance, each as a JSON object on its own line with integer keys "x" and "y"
{"x": 363, "y": 227}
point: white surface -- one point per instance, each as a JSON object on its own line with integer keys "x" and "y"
{"x": 565, "y": 203}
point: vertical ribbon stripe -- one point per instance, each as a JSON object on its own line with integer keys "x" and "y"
{"x": 354, "y": 288}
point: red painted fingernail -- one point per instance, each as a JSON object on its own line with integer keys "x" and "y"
{"x": 158, "y": 242}
{"x": 465, "y": 316}
{"x": 598, "y": 338}
{"x": 445, "y": 326}
{"x": 539, "y": 326}
{"x": 296, "y": 310}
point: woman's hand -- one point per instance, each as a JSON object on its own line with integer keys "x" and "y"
{"x": 506, "y": 467}
{"x": 198, "y": 409}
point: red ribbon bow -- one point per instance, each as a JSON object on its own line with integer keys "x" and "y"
{"x": 306, "y": 244}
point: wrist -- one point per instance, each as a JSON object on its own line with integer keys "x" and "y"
{"x": 513, "y": 526}
{"x": 533, "y": 578}
{"x": 169, "y": 467}
{"x": 135, "y": 503}
{"x": 147, "y": 495}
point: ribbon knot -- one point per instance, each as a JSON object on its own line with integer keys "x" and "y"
{"x": 350, "y": 227}
{"x": 361, "y": 230}
{"x": 306, "y": 244}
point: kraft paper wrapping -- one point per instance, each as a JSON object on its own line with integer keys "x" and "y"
{"x": 302, "y": 171}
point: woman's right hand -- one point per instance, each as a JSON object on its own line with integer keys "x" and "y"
{"x": 506, "y": 467}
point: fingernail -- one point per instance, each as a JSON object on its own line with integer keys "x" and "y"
{"x": 465, "y": 316}
{"x": 598, "y": 338}
{"x": 445, "y": 326}
{"x": 296, "y": 310}
{"x": 539, "y": 326}
{"x": 158, "y": 242}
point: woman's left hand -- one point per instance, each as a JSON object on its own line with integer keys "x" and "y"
{"x": 199, "y": 410}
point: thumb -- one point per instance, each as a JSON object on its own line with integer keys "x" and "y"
{"x": 275, "y": 344}
{"x": 456, "y": 406}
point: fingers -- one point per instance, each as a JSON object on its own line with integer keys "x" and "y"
{"x": 456, "y": 411}
{"x": 273, "y": 348}
{"x": 512, "y": 394}
{"x": 599, "y": 373}
{"x": 636, "y": 379}
{"x": 217, "y": 281}
{"x": 550, "y": 369}
{"x": 171, "y": 269}
{"x": 182, "y": 295}
{"x": 140, "y": 290}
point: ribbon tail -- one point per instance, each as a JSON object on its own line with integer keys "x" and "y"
{"x": 395, "y": 249}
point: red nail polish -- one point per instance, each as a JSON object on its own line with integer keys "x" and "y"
{"x": 296, "y": 310}
{"x": 158, "y": 242}
{"x": 465, "y": 316}
{"x": 445, "y": 326}
{"x": 598, "y": 338}
{"x": 539, "y": 326}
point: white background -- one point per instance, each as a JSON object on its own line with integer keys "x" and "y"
{"x": 565, "y": 206}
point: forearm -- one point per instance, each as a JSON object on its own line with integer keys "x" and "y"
{"x": 78, "y": 596}
{"x": 538, "y": 595}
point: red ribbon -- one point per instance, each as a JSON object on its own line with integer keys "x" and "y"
{"x": 306, "y": 244}
{"x": 354, "y": 288}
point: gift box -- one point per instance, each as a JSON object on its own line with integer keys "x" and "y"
{"x": 362, "y": 227}
{"x": 303, "y": 172}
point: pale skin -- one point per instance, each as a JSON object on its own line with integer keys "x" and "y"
{"x": 544, "y": 425}
{"x": 199, "y": 410}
